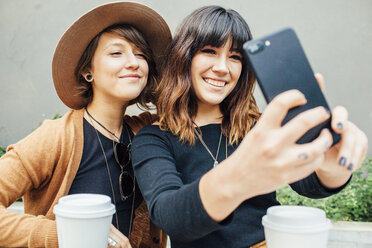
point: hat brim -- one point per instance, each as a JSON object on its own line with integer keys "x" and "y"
{"x": 75, "y": 40}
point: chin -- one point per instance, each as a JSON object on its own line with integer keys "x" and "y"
{"x": 212, "y": 102}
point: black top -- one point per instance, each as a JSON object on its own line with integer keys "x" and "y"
{"x": 168, "y": 173}
{"x": 92, "y": 175}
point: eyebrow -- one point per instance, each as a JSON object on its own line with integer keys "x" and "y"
{"x": 233, "y": 49}
{"x": 113, "y": 44}
{"x": 237, "y": 50}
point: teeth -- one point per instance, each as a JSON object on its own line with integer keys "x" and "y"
{"x": 215, "y": 83}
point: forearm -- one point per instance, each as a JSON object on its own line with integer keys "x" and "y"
{"x": 217, "y": 192}
{"x": 19, "y": 230}
{"x": 181, "y": 214}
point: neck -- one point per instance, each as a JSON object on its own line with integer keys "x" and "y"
{"x": 208, "y": 114}
{"x": 109, "y": 115}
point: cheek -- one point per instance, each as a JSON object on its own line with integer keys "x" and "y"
{"x": 106, "y": 66}
{"x": 199, "y": 64}
{"x": 193, "y": 68}
{"x": 144, "y": 67}
{"x": 236, "y": 70}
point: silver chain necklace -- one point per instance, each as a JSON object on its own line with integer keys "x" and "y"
{"x": 215, "y": 163}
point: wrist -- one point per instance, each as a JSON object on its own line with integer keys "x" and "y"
{"x": 333, "y": 178}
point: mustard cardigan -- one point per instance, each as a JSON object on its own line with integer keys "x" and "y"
{"x": 41, "y": 168}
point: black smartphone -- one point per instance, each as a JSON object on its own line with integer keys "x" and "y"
{"x": 280, "y": 64}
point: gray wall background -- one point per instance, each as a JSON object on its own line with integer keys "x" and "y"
{"x": 336, "y": 35}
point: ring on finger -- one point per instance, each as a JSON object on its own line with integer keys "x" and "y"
{"x": 111, "y": 242}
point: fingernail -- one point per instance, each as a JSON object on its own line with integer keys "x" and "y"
{"x": 350, "y": 167}
{"x": 340, "y": 126}
{"x": 342, "y": 161}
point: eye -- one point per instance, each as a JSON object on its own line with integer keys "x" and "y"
{"x": 115, "y": 53}
{"x": 140, "y": 55}
{"x": 208, "y": 50}
{"x": 236, "y": 57}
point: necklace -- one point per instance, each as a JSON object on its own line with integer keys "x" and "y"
{"x": 206, "y": 147}
{"x": 109, "y": 173}
{"x": 112, "y": 133}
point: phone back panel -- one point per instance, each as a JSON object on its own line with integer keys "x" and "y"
{"x": 280, "y": 64}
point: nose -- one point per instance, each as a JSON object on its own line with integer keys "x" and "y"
{"x": 220, "y": 65}
{"x": 131, "y": 62}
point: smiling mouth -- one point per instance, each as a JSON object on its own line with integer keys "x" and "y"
{"x": 131, "y": 76}
{"x": 213, "y": 82}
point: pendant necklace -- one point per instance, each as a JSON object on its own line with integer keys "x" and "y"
{"x": 109, "y": 174}
{"x": 215, "y": 163}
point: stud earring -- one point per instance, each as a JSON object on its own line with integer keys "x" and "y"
{"x": 88, "y": 77}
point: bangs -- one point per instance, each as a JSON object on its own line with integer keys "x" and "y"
{"x": 132, "y": 35}
{"x": 218, "y": 27}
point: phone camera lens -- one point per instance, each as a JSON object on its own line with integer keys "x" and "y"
{"x": 255, "y": 48}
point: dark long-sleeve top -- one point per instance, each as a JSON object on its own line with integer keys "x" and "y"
{"x": 168, "y": 173}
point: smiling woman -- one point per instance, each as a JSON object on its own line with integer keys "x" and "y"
{"x": 103, "y": 63}
{"x": 215, "y": 73}
{"x": 209, "y": 168}
{"x": 121, "y": 52}
{"x": 119, "y": 70}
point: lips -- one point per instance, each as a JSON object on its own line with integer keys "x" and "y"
{"x": 130, "y": 76}
{"x": 215, "y": 82}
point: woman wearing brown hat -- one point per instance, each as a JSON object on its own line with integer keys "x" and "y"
{"x": 104, "y": 62}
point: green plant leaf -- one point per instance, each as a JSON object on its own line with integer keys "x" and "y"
{"x": 353, "y": 203}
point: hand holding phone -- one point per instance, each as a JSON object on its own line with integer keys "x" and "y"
{"x": 280, "y": 64}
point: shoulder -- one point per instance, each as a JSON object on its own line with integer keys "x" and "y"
{"x": 151, "y": 130}
{"x": 43, "y": 147}
{"x": 136, "y": 123}
{"x": 154, "y": 135}
{"x": 71, "y": 123}
{"x": 52, "y": 132}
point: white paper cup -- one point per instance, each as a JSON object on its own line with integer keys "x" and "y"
{"x": 296, "y": 226}
{"x": 83, "y": 220}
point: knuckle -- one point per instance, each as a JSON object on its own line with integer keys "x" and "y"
{"x": 316, "y": 152}
{"x": 270, "y": 149}
{"x": 306, "y": 122}
{"x": 279, "y": 102}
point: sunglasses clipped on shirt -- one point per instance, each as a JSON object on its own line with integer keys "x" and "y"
{"x": 126, "y": 180}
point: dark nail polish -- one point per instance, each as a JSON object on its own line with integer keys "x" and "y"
{"x": 342, "y": 161}
{"x": 350, "y": 167}
{"x": 340, "y": 126}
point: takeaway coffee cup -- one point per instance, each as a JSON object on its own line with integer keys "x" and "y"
{"x": 83, "y": 220}
{"x": 296, "y": 226}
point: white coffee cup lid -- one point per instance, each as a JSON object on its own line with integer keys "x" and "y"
{"x": 296, "y": 218}
{"x": 84, "y": 206}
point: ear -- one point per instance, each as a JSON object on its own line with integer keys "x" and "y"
{"x": 88, "y": 76}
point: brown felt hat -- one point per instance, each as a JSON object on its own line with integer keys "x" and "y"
{"x": 75, "y": 40}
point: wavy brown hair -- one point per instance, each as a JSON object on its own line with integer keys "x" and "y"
{"x": 176, "y": 100}
{"x": 135, "y": 37}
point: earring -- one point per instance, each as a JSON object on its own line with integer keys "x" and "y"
{"x": 88, "y": 77}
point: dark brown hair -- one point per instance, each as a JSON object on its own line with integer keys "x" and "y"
{"x": 132, "y": 35}
{"x": 176, "y": 101}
